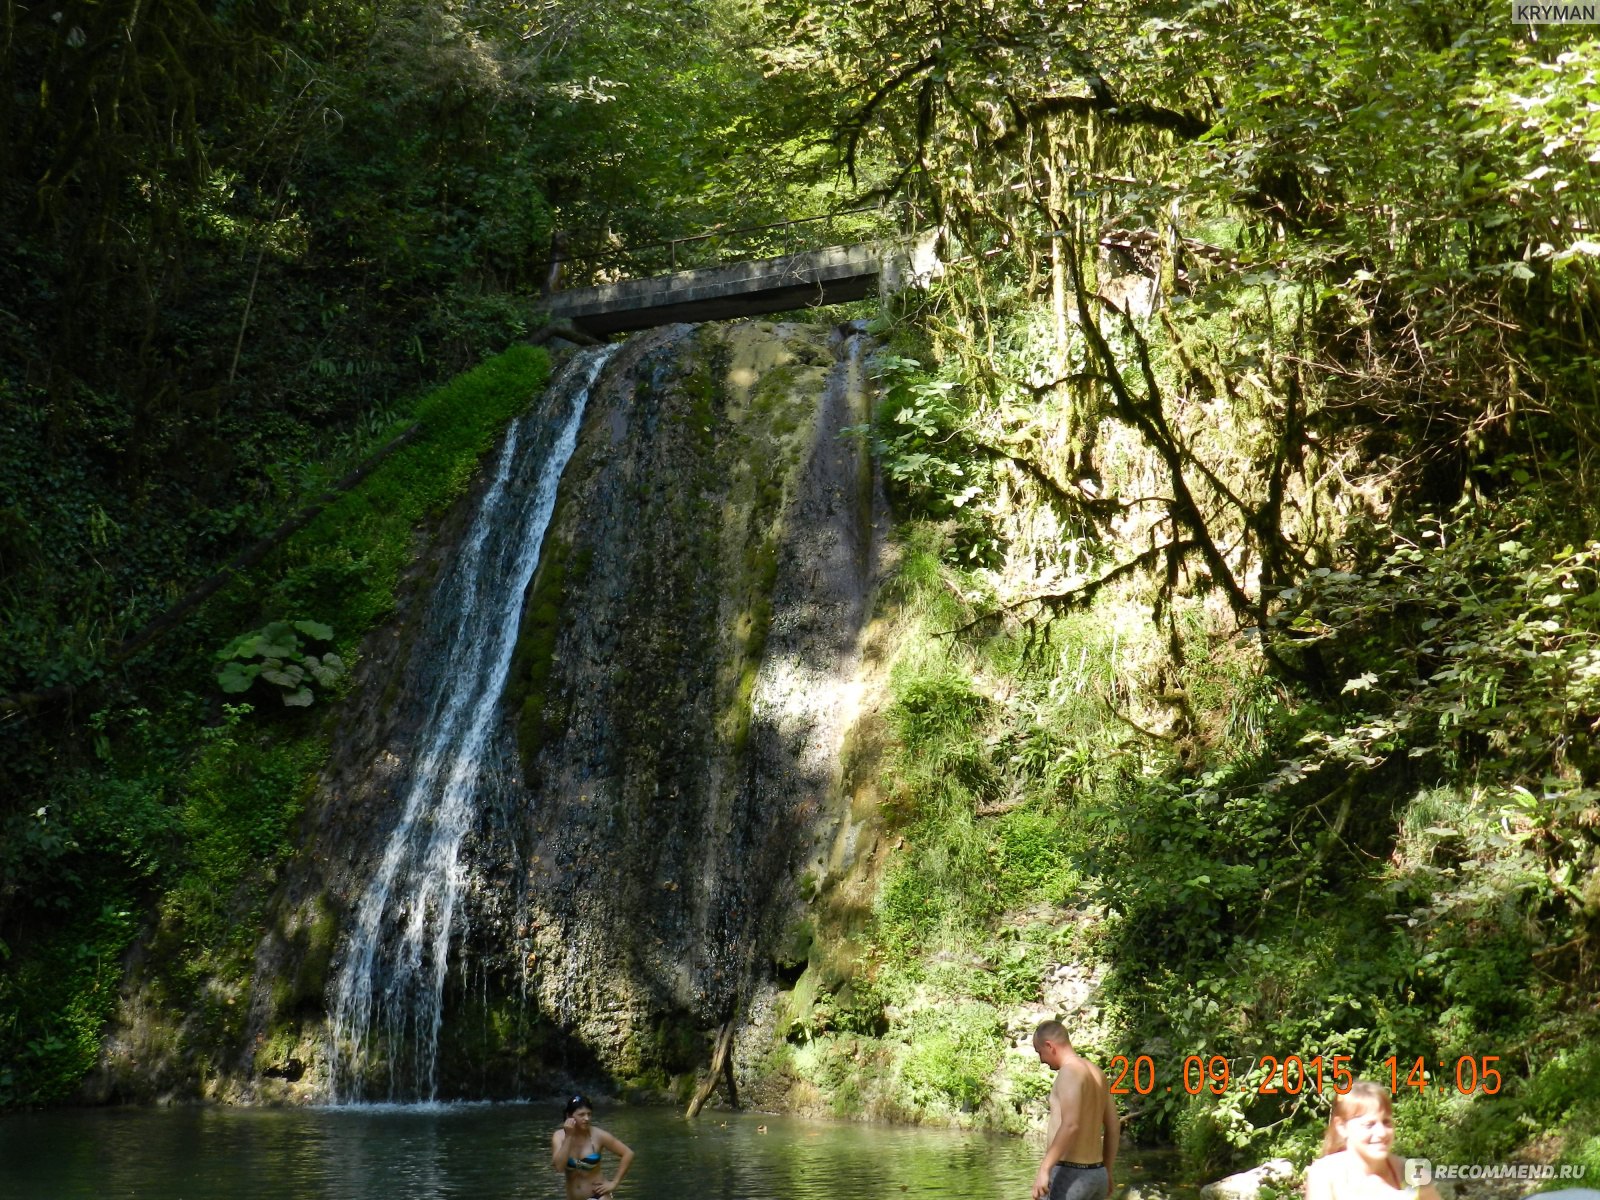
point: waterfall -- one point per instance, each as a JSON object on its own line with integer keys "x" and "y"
{"x": 388, "y": 994}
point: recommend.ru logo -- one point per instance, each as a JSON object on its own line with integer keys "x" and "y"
{"x": 1421, "y": 1171}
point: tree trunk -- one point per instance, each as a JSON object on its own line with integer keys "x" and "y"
{"x": 721, "y": 1065}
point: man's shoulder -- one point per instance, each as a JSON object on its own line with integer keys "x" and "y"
{"x": 1083, "y": 1068}
{"x": 1077, "y": 1071}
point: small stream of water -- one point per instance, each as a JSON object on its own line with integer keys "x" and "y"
{"x": 499, "y": 1152}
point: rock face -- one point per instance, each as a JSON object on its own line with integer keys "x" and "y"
{"x": 719, "y": 548}
{"x": 665, "y": 766}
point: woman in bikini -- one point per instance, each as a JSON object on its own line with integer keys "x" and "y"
{"x": 575, "y": 1152}
{"x": 1356, "y": 1163}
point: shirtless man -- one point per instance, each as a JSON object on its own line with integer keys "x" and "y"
{"x": 1084, "y": 1128}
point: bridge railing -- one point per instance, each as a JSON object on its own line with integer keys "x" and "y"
{"x": 608, "y": 261}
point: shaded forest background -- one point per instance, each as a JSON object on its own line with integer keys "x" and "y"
{"x": 1244, "y": 458}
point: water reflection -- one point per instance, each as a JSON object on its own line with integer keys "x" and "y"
{"x": 492, "y": 1152}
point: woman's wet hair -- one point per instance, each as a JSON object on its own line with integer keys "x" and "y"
{"x": 1363, "y": 1097}
{"x": 575, "y": 1104}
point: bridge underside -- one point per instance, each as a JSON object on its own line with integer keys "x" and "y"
{"x": 746, "y": 289}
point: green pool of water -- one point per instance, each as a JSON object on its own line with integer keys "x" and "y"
{"x": 495, "y": 1152}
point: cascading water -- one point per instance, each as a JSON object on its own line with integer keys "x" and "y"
{"x": 388, "y": 994}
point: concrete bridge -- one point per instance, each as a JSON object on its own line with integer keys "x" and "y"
{"x": 747, "y": 289}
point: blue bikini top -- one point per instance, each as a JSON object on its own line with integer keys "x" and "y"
{"x": 589, "y": 1162}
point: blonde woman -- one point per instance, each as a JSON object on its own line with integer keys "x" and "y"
{"x": 1356, "y": 1162}
{"x": 575, "y": 1151}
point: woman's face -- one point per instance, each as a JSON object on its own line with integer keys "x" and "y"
{"x": 1369, "y": 1135}
{"x": 580, "y": 1117}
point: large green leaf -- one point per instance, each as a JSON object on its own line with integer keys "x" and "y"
{"x": 289, "y": 675}
{"x": 236, "y": 677}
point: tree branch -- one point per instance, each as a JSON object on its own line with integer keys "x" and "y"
{"x": 1078, "y": 597}
{"x": 1103, "y": 103}
{"x": 1076, "y": 502}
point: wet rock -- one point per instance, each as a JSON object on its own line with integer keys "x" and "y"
{"x": 290, "y": 1071}
{"x": 695, "y": 690}
{"x": 1071, "y": 987}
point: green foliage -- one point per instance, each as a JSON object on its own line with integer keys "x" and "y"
{"x": 290, "y": 221}
{"x": 1373, "y": 830}
{"x": 1475, "y": 649}
{"x": 952, "y": 1055}
{"x": 1311, "y": 887}
{"x": 923, "y": 443}
{"x": 929, "y": 708}
{"x": 819, "y": 1006}
{"x": 54, "y": 1002}
{"x": 240, "y": 799}
{"x": 1031, "y": 856}
{"x": 186, "y": 810}
{"x": 356, "y": 548}
{"x": 280, "y": 659}
{"x": 916, "y": 415}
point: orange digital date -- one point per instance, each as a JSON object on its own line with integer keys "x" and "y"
{"x": 1292, "y": 1074}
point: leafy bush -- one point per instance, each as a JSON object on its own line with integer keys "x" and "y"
{"x": 1474, "y": 651}
{"x": 916, "y": 417}
{"x": 276, "y": 654}
{"x": 929, "y": 707}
